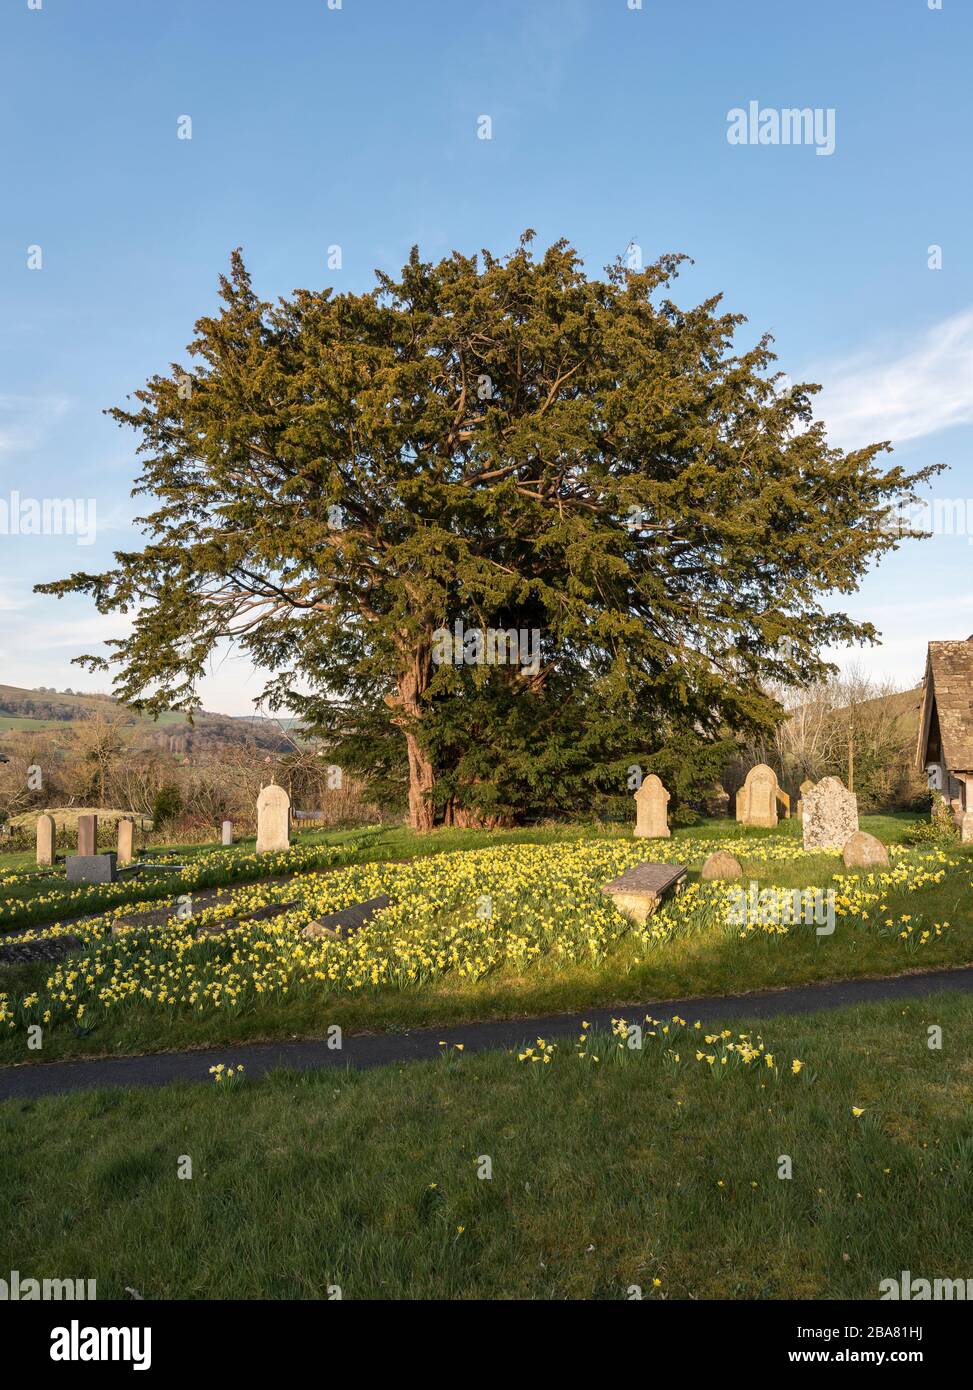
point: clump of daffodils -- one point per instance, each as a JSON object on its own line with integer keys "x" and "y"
{"x": 223, "y": 1075}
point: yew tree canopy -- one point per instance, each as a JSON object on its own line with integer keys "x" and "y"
{"x": 505, "y": 442}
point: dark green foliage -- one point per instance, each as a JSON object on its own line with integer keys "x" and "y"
{"x": 167, "y": 805}
{"x": 512, "y": 445}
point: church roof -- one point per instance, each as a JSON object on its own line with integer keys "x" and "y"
{"x": 947, "y": 698}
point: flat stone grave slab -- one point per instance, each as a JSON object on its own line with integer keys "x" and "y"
{"x": 349, "y": 919}
{"x": 168, "y": 916}
{"x": 639, "y": 890}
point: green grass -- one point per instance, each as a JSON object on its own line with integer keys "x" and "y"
{"x": 604, "y": 1176}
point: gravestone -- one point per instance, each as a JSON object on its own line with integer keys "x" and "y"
{"x": 966, "y": 828}
{"x": 806, "y": 786}
{"x": 719, "y": 865}
{"x": 830, "y": 815}
{"x": 87, "y": 836}
{"x": 46, "y": 841}
{"x": 228, "y": 832}
{"x": 91, "y": 868}
{"x": 639, "y": 890}
{"x": 273, "y": 819}
{"x": 651, "y": 800}
{"x": 864, "y": 851}
{"x": 126, "y": 841}
{"x": 757, "y": 798}
{"x": 716, "y": 802}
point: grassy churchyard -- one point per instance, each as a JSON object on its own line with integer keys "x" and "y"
{"x": 531, "y": 1172}
{"x": 481, "y": 925}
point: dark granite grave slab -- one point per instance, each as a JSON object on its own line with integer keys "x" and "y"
{"x": 647, "y": 878}
{"x": 349, "y": 919}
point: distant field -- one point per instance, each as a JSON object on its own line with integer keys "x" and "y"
{"x": 13, "y": 721}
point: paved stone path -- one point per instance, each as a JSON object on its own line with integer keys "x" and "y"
{"x": 385, "y": 1049}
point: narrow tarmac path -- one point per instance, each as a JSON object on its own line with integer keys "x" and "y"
{"x": 388, "y": 1049}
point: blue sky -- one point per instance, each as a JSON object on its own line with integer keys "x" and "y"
{"x": 357, "y": 126}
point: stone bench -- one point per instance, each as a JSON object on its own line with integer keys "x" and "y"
{"x": 639, "y": 890}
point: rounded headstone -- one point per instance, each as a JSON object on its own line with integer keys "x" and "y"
{"x": 864, "y": 851}
{"x": 720, "y": 864}
{"x": 46, "y": 841}
{"x": 273, "y": 819}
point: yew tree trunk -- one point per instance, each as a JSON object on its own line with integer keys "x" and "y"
{"x": 411, "y": 684}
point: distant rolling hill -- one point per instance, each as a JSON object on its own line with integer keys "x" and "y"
{"x": 34, "y": 711}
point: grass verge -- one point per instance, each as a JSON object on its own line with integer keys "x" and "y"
{"x": 604, "y": 1175}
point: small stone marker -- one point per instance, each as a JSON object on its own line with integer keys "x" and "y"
{"x": 126, "y": 841}
{"x": 228, "y": 832}
{"x": 87, "y": 836}
{"x": 639, "y": 890}
{"x": 91, "y": 868}
{"x": 830, "y": 815}
{"x": 349, "y": 919}
{"x": 757, "y": 798}
{"x": 864, "y": 851}
{"x": 651, "y": 819}
{"x": 721, "y": 864}
{"x": 46, "y": 841}
{"x": 273, "y": 819}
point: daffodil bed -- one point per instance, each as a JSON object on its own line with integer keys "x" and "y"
{"x": 476, "y": 924}
{"x": 211, "y": 869}
{"x": 811, "y": 1161}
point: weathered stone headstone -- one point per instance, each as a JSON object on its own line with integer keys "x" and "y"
{"x": 273, "y": 819}
{"x": 864, "y": 851}
{"x": 830, "y": 815}
{"x": 87, "y": 835}
{"x": 721, "y": 864}
{"x": 966, "y": 828}
{"x": 126, "y": 841}
{"x": 806, "y": 786}
{"x": 651, "y": 819}
{"x": 46, "y": 841}
{"x": 757, "y": 798}
{"x": 228, "y": 832}
{"x": 639, "y": 890}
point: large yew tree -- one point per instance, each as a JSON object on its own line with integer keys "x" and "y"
{"x": 507, "y": 443}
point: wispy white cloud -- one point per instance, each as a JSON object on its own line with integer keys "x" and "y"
{"x": 25, "y": 419}
{"x": 904, "y": 391}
